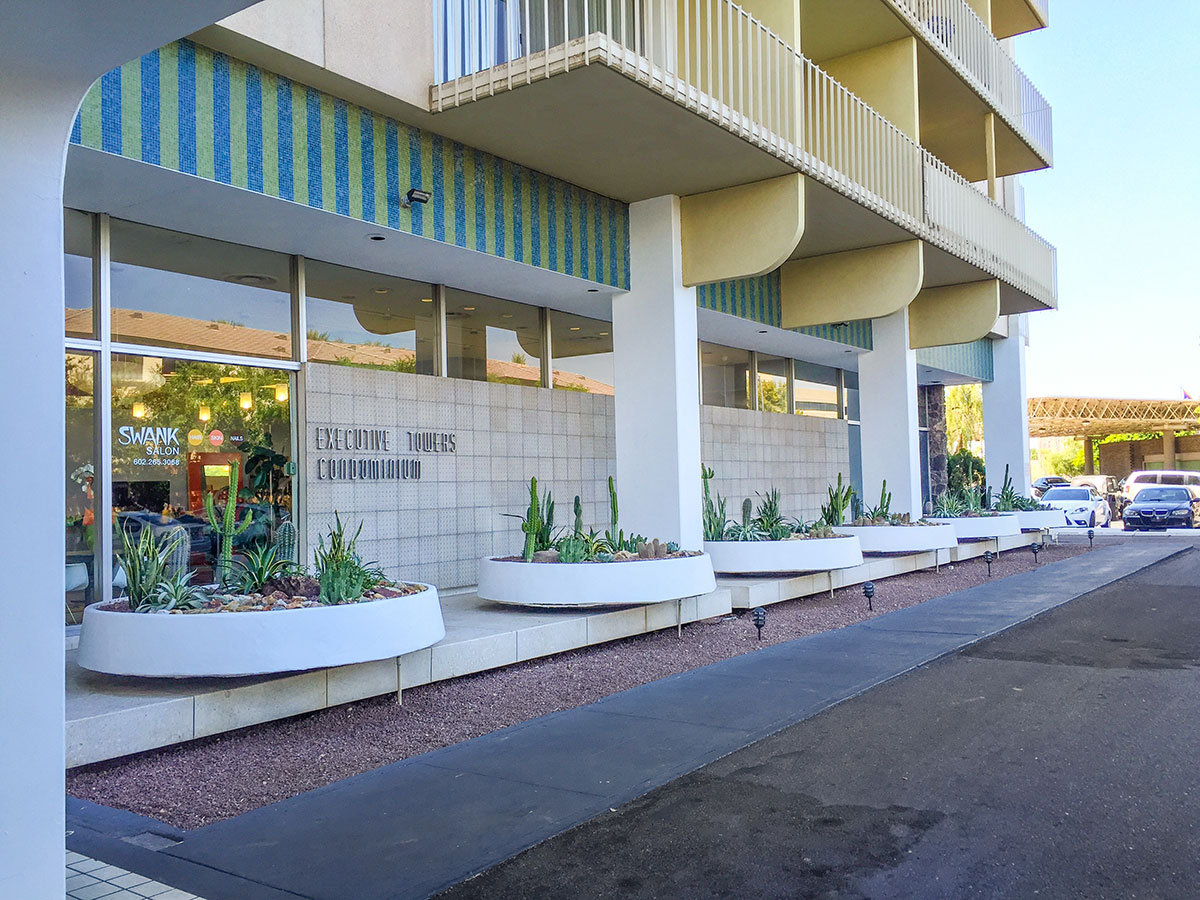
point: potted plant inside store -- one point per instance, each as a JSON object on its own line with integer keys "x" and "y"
{"x": 266, "y": 614}
{"x": 585, "y": 568}
{"x": 879, "y": 530}
{"x": 766, "y": 541}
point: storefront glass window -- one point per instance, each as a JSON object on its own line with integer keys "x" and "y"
{"x": 492, "y": 340}
{"x": 816, "y": 390}
{"x": 80, "y": 478}
{"x": 725, "y": 376}
{"x": 177, "y": 427}
{"x": 772, "y": 383}
{"x": 357, "y": 318}
{"x": 582, "y": 353}
{"x": 178, "y": 290}
{"x": 77, "y": 272}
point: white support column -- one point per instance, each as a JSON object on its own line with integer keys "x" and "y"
{"x": 887, "y": 378}
{"x": 657, "y": 383}
{"x": 1006, "y": 410}
{"x": 32, "y": 149}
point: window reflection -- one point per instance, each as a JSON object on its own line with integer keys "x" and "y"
{"x": 816, "y": 390}
{"x": 177, "y": 428}
{"x": 492, "y": 340}
{"x": 179, "y": 290}
{"x": 80, "y": 484}
{"x": 725, "y": 376}
{"x": 582, "y": 350}
{"x": 357, "y": 318}
{"x": 77, "y": 274}
{"x": 772, "y": 383}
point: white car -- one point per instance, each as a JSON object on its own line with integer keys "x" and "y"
{"x": 1082, "y": 505}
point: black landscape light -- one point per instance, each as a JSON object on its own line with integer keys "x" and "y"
{"x": 760, "y": 619}
{"x": 1036, "y": 548}
{"x": 869, "y": 593}
{"x": 989, "y": 557}
{"x": 1091, "y": 536}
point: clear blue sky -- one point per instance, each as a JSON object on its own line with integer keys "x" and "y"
{"x": 1122, "y": 203}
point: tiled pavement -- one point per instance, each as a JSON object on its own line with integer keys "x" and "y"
{"x": 89, "y": 879}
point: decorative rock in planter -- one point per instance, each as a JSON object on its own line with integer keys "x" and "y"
{"x": 1037, "y": 519}
{"x": 801, "y": 555}
{"x": 253, "y": 643}
{"x": 975, "y": 527}
{"x": 902, "y": 538}
{"x": 634, "y": 582}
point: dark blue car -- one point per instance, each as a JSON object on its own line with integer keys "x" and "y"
{"x": 1161, "y": 507}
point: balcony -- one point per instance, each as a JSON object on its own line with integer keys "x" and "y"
{"x": 954, "y": 30}
{"x": 689, "y": 78}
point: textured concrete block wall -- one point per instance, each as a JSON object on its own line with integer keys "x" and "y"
{"x": 755, "y": 451}
{"x": 437, "y": 528}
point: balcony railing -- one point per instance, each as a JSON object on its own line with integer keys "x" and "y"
{"x": 723, "y": 64}
{"x": 955, "y": 26}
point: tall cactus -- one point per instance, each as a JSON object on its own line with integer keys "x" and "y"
{"x": 227, "y": 528}
{"x": 578, "y": 516}
{"x": 285, "y": 541}
{"x": 532, "y": 523}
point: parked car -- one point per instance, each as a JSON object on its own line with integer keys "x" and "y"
{"x": 1162, "y": 507}
{"x": 1106, "y": 486}
{"x": 1046, "y": 482}
{"x": 1136, "y": 481}
{"x": 1082, "y": 505}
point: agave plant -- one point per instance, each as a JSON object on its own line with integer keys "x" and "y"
{"x": 949, "y": 505}
{"x": 147, "y": 564}
{"x": 769, "y": 518}
{"x": 258, "y": 566}
{"x": 176, "y": 591}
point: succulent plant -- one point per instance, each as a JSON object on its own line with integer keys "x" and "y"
{"x": 672, "y": 547}
{"x": 715, "y": 518}
{"x": 578, "y": 517}
{"x": 884, "y": 509}
{"x": 285, "y": 541}
{"x": 833, "y": 513}
{"x": 227, "y": 528}
{"x": 537, "y": 523}
{"x": 604, "y": 556}
{"x": 573, "y": 549}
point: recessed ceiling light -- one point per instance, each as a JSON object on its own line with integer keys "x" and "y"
{"x": 764, "y": 331}
{"x": 604, "y": 334}
{"x": 469, "y": 309}
{"x": 574, "y": 327}
{"x": 426, "y": 299}
{"x": 381, "y": 290}
{"x": 593, "y": 290}
{"x": 506, "y": 315}
{"x": 376, "y": 237}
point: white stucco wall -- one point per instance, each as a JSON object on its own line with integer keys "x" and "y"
{"x": 755, "y": 451}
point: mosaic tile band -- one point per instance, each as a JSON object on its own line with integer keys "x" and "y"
{"x": 193, "y": 110}
{"x": 758, "y": 299}
{"x": 972, "y": 360}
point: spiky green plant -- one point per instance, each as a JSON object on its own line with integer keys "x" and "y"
{"x": 339, "y": 569}
{"x": 537, "y": 523}
{"x": 573, "y": 549}
{"x": 770, "y": 519}
{"x": 285, "y": 541}
{"x": 884, "y": 508}
{"x": 176, "y": 591}
{"x": 146, "y": 562}
{"x": 833, "y": 512}
{"x": 227, "y": 527}
{"x": 258, "y": 566}
{"x": 578, "y": 517}
{"x": 614, "y": 537}
{"x": 715, "y": 518}
{"x": 949, "y": 505}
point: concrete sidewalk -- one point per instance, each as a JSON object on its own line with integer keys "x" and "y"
{"x": 417, "y": 826}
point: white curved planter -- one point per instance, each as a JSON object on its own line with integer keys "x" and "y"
{"x": 903, "y": 538}
{"x": 633, "y": 582}
{"x": 969, "y": 527}
{"x": 810, "y": 555}
{"x": 1037, "y": 519}
{"x": 255, "y": 643}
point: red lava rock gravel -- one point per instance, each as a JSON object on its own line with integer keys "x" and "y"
{"x": 216, "y": 778}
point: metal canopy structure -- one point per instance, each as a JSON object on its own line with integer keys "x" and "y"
{"x": 1097, "y": 417}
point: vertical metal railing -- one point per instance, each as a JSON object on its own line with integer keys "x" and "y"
{"x": 955, "y": 26}
{"x": 714, "y": 58}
